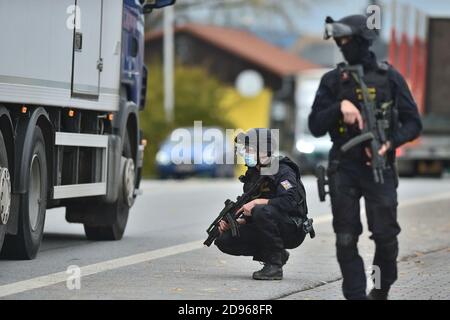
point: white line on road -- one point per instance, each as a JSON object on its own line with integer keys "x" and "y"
{"x": 403, "y": 204}
{"x": 55, "y": 278}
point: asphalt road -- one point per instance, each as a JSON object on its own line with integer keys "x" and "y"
{"x": 161, "y": 255}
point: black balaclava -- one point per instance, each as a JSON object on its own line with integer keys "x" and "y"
{"x": 356, "y": 50}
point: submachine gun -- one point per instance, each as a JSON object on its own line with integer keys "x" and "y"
{"x": 228, "y": 213}
{"x": 373, "y": 134}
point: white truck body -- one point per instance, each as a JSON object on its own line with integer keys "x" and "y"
{"x": 39, "y": 64}
{"x": 310, "y": 150}
{"x": 430, "y": 153}
{"x": 306, "y": 87}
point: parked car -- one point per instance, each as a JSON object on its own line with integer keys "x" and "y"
{"x": 311, "y": 152}
{"x": 199, "y": 156}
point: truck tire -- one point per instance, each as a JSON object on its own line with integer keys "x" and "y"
{"x": 5, "y": 194}
{"x": 119, "y": 210}
{"x": 406, "y": 168}
{"x": 32, "y": 205}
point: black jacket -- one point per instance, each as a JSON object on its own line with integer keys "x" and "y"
{"x": 286, "y": 191}
{"x": 326, "y": 111}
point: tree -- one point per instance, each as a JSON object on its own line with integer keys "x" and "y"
{"x": 197, "y": 97}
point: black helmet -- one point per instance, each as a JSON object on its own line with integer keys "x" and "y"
{"x": 354, "y": 25}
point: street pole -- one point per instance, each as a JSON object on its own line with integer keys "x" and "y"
{"x": 169, "y": 97}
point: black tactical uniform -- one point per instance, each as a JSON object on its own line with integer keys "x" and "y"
{"x": 274, "y": 227}
{"x": 350, "y": 177}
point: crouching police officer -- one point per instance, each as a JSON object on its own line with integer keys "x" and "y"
{"x": 336, "y": 110}
{"x": 277, "y": 219}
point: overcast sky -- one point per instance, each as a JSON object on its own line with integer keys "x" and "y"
{"x": 313, "y": 20}
{"x": 310, "y": 18}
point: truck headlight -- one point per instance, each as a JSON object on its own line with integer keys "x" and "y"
{"x": 163, "y": 158}
{"x": 305, "y": 147}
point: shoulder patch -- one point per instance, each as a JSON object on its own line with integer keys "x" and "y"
{"x": 286, "y": 184}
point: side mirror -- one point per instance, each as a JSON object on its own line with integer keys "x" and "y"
{"x": 156, "y": 4}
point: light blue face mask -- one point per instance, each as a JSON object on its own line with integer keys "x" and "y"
{"x": 250, "y": 160}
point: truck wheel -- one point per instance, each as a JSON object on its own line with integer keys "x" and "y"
{"x": 407, "y": 169}
{"x": 5, "y": 190}
{"x": 32, "y": 205}
{"x": 120, "y": 209}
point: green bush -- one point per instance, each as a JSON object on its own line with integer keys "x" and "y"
{"x": 197, "y": 97}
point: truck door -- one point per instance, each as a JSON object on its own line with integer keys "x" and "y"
{"x": 87, "y": 63}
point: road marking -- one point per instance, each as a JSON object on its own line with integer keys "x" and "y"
{"x": 55, "y": 278}
{"x": 403, "y": 204}
{"x": 425, "y": 199}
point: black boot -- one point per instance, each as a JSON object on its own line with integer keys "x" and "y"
{"x": 272, "y": 269}
{"x": 269, "y": 272}
{"x": 378, "y": 294}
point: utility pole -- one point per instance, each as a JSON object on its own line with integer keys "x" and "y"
{"x": 169, "y": 96}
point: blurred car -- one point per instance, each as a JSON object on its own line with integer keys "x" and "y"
{"x": 311, "y": 152}
{"x": 212, "y": 155}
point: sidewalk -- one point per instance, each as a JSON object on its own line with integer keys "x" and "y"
{"x": 424, "y": 260}
{"x": 423, "y": 277}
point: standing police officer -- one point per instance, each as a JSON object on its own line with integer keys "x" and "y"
{"x": 277, "y": 220}
{"x": 336, "y": 110}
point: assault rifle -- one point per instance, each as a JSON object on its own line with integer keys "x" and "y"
{"x": 373, "y": 131}
{"x": 228, "y": 213}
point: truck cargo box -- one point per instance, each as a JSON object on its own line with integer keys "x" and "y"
{"x": 437, "y": 102}
{"x": 50, "y": 53}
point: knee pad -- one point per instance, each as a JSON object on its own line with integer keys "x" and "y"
{"x": 346, "y": 239}
{"x": 346, "y": 246}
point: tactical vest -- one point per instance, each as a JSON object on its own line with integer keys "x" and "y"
{"x": 378, "y": 84}
{"x": 267, "y": 190}
{"x": 302, "y": 206}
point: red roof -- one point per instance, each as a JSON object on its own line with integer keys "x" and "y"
{"x": 247, "y": 46}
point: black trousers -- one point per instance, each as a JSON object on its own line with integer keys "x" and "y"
{"x": 347, "y": 186}
{"x": 269, "y": 232}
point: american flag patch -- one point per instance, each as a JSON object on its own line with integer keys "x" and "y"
{"x": 286, "y": 184}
